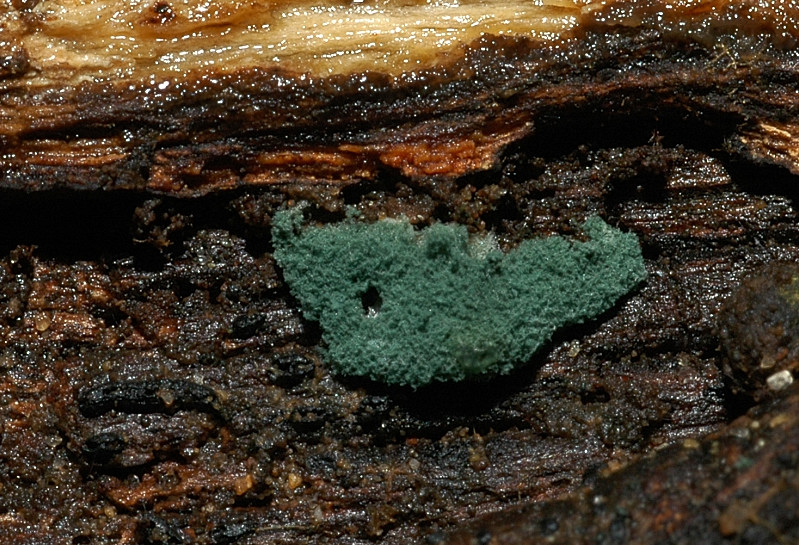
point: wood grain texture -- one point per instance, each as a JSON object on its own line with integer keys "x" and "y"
{"x": 159, "y": 385}
{"x": 188, "y": 129}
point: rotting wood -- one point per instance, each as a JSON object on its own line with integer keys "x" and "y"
{"x": 674, "y": 125}
{"x": 94, "y": 102}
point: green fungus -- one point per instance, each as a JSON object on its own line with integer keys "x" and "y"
{"x": 409, "y": 307}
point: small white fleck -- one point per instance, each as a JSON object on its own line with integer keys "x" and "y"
{"x": 740, "y": 433}
{"x": 598, "y": 499}
{"x": 780, "y": 380}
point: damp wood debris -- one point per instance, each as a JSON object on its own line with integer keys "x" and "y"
{"x": 177, "y": 98}
{"x": 159, "y": 382}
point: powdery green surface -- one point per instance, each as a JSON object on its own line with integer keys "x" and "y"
{"x": 410, "y": 307}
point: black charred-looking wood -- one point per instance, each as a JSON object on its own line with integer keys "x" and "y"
{"x": 101, "y": 448}
{"x": 292, "y": 369}
{"x": 150, "y": 396}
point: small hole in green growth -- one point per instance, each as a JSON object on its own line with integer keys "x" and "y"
{"x": 409, "y": 307}
{"x": 371, "y": 302}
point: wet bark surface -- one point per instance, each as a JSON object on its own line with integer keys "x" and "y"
{"x": 731, "y": 65}
{"x": 160, "y": 385}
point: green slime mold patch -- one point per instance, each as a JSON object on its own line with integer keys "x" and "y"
{"x": 410, "y": 307}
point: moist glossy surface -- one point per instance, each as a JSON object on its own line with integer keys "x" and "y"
{"x": 158, "y": 383}
{"x": 162, "y": 40}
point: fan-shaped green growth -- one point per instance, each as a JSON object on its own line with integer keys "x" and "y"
{"x": 410, "y": 307}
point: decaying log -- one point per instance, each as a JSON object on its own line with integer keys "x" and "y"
{"x": 160, "y": 385}
{"x": 188, "y": 99}
{"x": 743, "y": 498}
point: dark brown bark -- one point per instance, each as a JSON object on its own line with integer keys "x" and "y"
{"x": 159, "y": 384}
